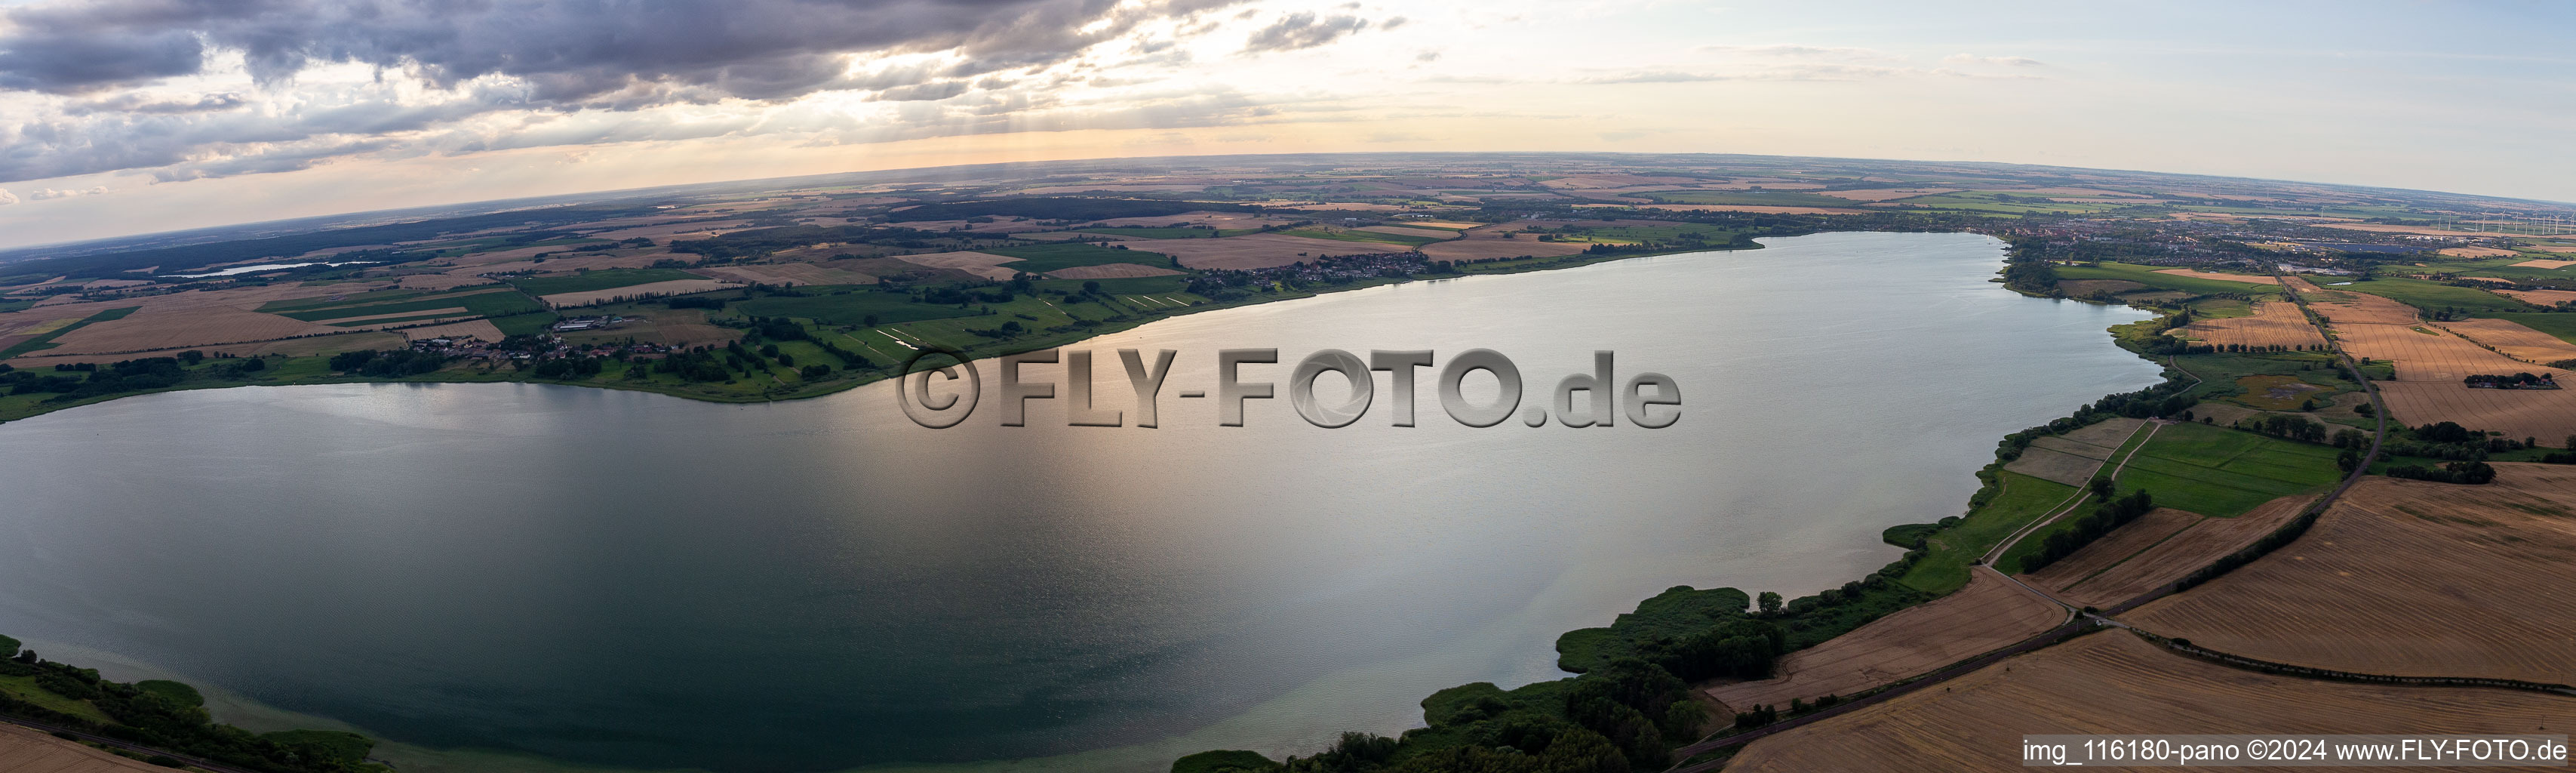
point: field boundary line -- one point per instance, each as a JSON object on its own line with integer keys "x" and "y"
{"x": 2150, "y": 428}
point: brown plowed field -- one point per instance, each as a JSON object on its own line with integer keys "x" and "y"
{"x": 1987, "y": 615}
{"x": 2478, "y": 252}
{"x": 2409, "y": 578}
{"x": 2513, "y": 339}
{"x": 2114, "y": 682}
{"x": 2274, "y": 323}
{"x": 2186, "y": 552}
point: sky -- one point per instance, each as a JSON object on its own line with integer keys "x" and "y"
{"x": 121, "y": 117}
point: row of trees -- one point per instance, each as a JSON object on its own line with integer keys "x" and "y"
{"x": 168, "y": 715}
{"x": 2108, "y": 515}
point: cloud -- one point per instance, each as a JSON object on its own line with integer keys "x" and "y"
{"x": 2000, "y": 61}
{"x": 1653, "y": 76}
{"x": 139, "y": 102}
{"x": 1304, "y": 30}
{"x": 41, "y": 194}
{"x": 1794, "y": 51}
{"x": 570, "y": 52}
{"x": 7, "y": 198}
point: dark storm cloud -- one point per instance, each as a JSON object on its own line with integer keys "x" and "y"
{"x": 78, "y": 60}
{"x": 1304, "y": 30}
{"x": 575, "y": 53}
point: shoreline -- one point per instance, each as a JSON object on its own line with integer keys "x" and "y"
{"x": 481, "y": 759}
{"x": 997, "y": 350}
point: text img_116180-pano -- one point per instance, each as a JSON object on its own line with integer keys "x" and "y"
{"x": 1638, "y": 397}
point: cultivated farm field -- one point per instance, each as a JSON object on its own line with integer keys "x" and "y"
{"x": 2411, "y": 578}
{"x": 2128, "y": 566}
{"x": 2115, "y": 682}
{"x": 1988, "y": 614}
{"x": 2272, "y": 323}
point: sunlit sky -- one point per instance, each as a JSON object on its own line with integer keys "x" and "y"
{"x": 133, "y": 116}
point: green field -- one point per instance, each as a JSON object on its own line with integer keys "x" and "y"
{"x": 2222, "y": 472}
{"x": 600, "y": 279}
{"x": 2024, "y": 499}
{"x": 2560, "y": 324}
{"x": 830, "y": 307}
{"x": 2146, "y": 275}
{"x": 2435, "y": 295}
{"x": 46, "y": 341}
{"x": 1042, "y": 258}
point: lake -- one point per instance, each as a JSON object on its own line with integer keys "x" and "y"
{"x": 633, "y": 580}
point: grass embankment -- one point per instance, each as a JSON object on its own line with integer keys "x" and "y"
{"x": 2019, "y": 500}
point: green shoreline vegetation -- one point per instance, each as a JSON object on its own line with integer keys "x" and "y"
{"x": 1630, "y": 702}
{"x": 856, "y": 334}
{"x": 166, "y": 716}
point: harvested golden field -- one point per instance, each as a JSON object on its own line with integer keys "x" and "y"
{"x": 646, "y": 290}
{"x": 2181, "y": 553}
{"x": 2342, "y": 308}
{"x": 1110, "y": 271}
{"x": 2478, "y": 252}
{"x": 2114, "y": 682}
{"x": 982, "y": 264}
{"x": 790, "y": 274}
{"x": 1256, "y": 250}
{"x": 2545, "y": 264}
{"x": 180, "y": 328}
{"x": 2410, "y": 578}
{"x": 1452, "y": 225}
{"x": 2246, "y": 278}
{"x": 2512, "y": 339}
{"x": 23, "y": 750}
{"x": 2274, "y": 323}
{"x": 1987, "y": 615}
{"x": 2112, "y": 549}
{"x": 2054, "y": 465}
{"x": 1427, "y": 233}
{"x": 2541, "y": 413}
{"x": 2540, "y": 297}
{"x": 2426, "y": 352}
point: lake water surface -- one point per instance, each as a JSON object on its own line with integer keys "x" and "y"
{"x": 627, "y": 579}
